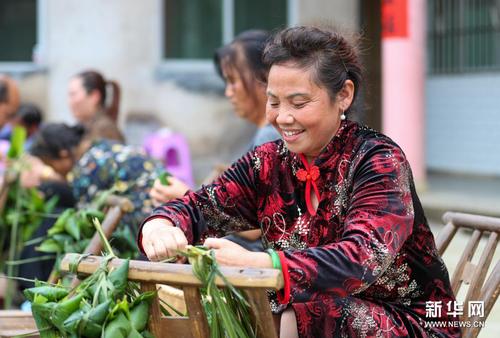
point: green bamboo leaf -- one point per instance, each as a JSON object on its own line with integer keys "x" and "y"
{"x": 119, "y": 327}
{"x": 119, "y": 279}
{"x": 36, "y": 202}
{"x": 134, "y": 334}
{"x": 64, "y": 309}
{"x": 86, "y": 227}
{"x": 50, "y": 245}
{"x": 41, "y": 315}
{"x": 50, "y": 204}
{"x": 147, "y": 334}
{"x": 76, "y": 246}
{"x": 17, "y": 140}
{"x": 71, "y": 227}
{"x": 39, "y": 299}
{"x": 100, "y": 312}
{"x": 163, "y": 177}
{"x": 90, "y": 214}
{"x": 99, "y": 202}
{"x": 61, "y": 221}
{"x": 145, "y": 296}
{"x": 51, "y": 293}
{"x": 139, "y": 316}
{"x": 92, "y": 330}
{"x": 71, "y": 323}
{"x": 95, "y": 319}
{"x": 62, "y": 238}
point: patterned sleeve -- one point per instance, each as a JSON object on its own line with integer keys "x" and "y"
{"x": 225, "y": 206}
{"x": 378, "y": 220}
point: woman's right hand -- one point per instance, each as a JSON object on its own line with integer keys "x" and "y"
{"x": 161, "y": 193}
{"x": 162, "y": 240}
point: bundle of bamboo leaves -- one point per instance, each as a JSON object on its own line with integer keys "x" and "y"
{"x": 105, "y": 304}
{"x": 227, "y": 310}
{"x": 73, "y": 230}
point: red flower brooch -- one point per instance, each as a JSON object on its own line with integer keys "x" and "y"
{"x": 309, "y": 175}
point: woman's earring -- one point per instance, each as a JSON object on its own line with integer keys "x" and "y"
{"x": 342, "y": 116}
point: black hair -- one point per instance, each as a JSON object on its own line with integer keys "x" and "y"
{"x": 29, "y": 115}
{"x": 246, "y": 48}
{"x": 3, "y": 91}
{"x": 55, "y": 137}
{"x": 331, "y": 57}
{"x": 92, "y": 80}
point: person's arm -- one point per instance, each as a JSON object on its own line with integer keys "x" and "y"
{"x": 227, "y": 205}
{"x": 378, "y": 221}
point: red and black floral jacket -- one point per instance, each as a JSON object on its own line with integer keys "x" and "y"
{"x": 367, "y": 247}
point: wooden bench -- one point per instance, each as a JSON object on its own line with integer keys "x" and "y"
{"x": 253, "y": 282}
{"x": 480, "y": 286}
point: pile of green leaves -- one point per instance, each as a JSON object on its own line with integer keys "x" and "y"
{"x": 227, "y": 310}
{"x": 73, "y": 231}
{"x": 22, "y": 214}
{"x": 105, "y": 304}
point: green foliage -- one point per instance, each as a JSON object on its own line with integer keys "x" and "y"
{"x": 22, "y": 213}
{"x": 17, "y": 141}
{"x": 105, "y": 304}
{"x": 227, "y": 311}
{"x": 164, "y": 178}
{"x": 74, "y": 229}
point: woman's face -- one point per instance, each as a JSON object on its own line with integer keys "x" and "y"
{"x": 302, "y": 112}
{"x": 11, "y": 103}
{"x": 83, "y": 105}
{"x": 250, "y": 106}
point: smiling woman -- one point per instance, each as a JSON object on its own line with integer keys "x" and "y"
{"x": 335, "y": 201}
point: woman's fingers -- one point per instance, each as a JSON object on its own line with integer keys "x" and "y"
{"x": 161, "y": 240}
{"x": 179, "y": 238}
{"x": 221, "y": 243}
{"x": 164, "y": 193}
{"x": 213, "y": 243}
{"x": 149, "y": 250}
{"x": 161, "y": 248}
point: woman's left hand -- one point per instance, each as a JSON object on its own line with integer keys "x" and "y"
{"x": 229, "y": 253}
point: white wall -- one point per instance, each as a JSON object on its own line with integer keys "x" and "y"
{"x": 121, "y": 38}
{"x": 463, "y": 123}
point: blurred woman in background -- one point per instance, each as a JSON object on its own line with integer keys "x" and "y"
{"x": 240, "y": 65}
{"x": 88, "y": 96}
{"x": 9, "y": 99}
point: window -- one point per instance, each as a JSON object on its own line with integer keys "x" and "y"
{"x": 194, "y": 29}
{"x": 464, "y": 36}
{"x": 18, "y": 30}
